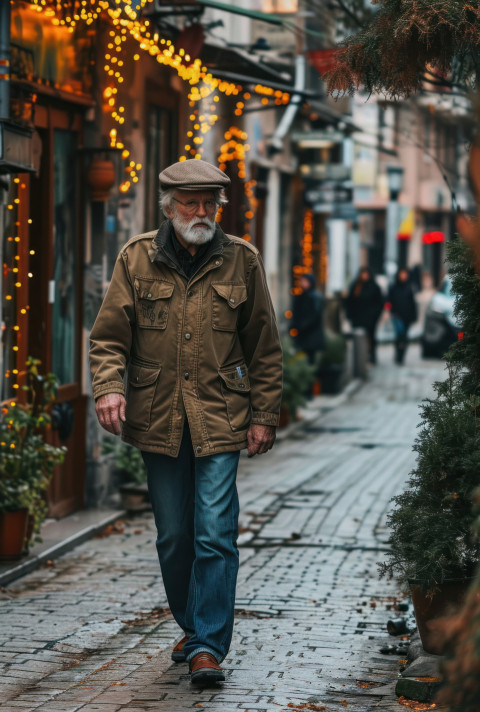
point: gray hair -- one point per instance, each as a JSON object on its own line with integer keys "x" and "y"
{"x": 166, "y": 198}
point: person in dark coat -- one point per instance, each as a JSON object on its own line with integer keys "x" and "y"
{"x": 308, "y": 318}
{"x": 364, "y": 306}
{"x": 403, "y": 310}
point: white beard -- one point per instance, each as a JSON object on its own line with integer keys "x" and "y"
{"x": 191, "y": 234}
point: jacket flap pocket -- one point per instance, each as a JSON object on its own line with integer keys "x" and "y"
{"x": 139, "y": 376}
{"x": 153, "y": 289}
{"x": 234, "y": 294}
{"x": 236, "y": 378}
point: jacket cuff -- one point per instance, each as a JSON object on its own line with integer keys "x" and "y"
{"x": 110, "y": 387}
{"x": 260, "y": 418}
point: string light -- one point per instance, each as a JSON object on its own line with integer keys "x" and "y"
{"x": 307, "y": 251}
{"x": 204, "y": 87}
{"x": 12, "y": 266}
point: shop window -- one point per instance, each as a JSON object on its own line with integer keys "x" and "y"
{"x": 63, "y": 287}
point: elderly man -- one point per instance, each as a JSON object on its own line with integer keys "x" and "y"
{"x": 189, "y": 317}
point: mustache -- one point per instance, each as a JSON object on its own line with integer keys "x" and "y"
{"x": 196, "y": 230}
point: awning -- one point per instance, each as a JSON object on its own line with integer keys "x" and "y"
{"x": 244, "y": 68}
{"x": 262, "y": 16}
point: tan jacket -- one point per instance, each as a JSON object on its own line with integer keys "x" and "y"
{"x": 206, "y": 348}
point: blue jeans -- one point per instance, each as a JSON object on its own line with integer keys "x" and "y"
{"x": 195, "y": 505}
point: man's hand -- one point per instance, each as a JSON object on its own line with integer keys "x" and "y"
{"x": 260, "y": 439}
{"x": 110, "y": 410}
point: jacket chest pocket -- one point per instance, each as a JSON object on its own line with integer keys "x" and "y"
{"x": 142, "y": 383}
{"x": 152, "y": 302}
{"x": 226, "y": 299}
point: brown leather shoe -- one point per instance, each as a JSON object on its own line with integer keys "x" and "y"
{"x": 178, "y": 655}
{"x": 204, "y": 669}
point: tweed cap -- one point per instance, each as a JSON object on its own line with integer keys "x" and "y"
{"x": 193, "y": 174}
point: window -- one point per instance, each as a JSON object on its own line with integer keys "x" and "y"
{"x": 161, "y": 152}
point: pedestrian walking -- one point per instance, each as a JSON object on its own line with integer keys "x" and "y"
{"x": 307, "y": 319}
{"x": 404, "y": 312}
{"x": 364, "y": 306}
{"x": 189, "y": 319}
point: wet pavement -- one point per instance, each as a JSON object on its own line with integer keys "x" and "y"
{"x": 91, "y": 630}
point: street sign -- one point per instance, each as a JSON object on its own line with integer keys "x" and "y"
{"x": 342, "y": 211}
{"x": 326, "y": 171}
{"x": 329, "y": 193}
{"x": 16, "y": 149}
{"x": 317, "y": 139}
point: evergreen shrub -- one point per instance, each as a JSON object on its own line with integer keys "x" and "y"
{"x": 432, "y": 536}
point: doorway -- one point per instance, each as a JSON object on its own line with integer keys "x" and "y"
{"x": 55, "y": 316}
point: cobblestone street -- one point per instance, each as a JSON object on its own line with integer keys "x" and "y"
{"x": 91, "y": 631}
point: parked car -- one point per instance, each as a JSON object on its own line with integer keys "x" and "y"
{"x": 440, "y": 328}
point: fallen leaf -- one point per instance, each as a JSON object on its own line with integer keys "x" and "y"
{"x": 116, "y": 528}
{"x": 413, "y": 705}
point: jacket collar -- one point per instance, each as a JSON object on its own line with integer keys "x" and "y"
{"x": 161, "y": 250}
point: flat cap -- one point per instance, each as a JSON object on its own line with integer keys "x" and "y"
{"x": 193, "y": 174}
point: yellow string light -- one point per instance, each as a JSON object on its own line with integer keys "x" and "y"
{"x": 125, "y": 23}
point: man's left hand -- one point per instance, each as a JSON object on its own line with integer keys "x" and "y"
{"x": 260, "y": 439}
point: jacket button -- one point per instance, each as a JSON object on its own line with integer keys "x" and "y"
{"x": 186, "y": 375}
{"x": 190, "y": 293}
{"x": 231, "y": 300}
{"x": 188, "y": 336}
{"x": 149, "y": 295}
{"x": 199, "y": 448}
{"x": 217, "y": 262}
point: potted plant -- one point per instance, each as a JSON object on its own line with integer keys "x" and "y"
{"x": 298, "y": 376}
{"x": 433, "y": 546}
{"x": 331, "y": 363}
{"x": 130, "y": 473}
{"x": 460, "y": 691}
{"x": 27, "y": 461}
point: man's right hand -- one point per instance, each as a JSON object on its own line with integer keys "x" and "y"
{"x": 110, "y": 410}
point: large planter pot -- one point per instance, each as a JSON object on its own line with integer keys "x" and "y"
{"x": 13, "y": 530}
{"x": 134, "y": 498}
{"x": 429, "y": 606}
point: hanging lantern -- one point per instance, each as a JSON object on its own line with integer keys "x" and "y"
{"x": 100, "y": 178}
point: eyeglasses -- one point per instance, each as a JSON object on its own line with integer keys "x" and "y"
{"x": 192, "y": 206}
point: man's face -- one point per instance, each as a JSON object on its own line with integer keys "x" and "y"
{"x": 193, "y": 215}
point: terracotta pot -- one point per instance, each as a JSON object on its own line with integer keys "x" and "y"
{"x": 100, "y": 178}
{"x": 134, "y": 498}
{"x": 430, "y": 606}
{"x": 13, "y": 530}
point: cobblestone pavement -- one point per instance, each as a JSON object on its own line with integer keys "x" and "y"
{"x": 92, "y": 632}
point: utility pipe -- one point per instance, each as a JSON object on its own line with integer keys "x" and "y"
{"x": 4, "y": 59}
{"x": 296, "y": 101}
